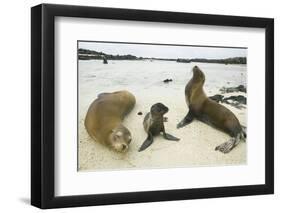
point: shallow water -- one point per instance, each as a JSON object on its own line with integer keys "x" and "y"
{"x": 147, "y": 75}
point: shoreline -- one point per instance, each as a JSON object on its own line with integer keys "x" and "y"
{"x": 210, "y": 61}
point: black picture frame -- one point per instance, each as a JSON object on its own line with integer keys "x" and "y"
{"x": 43, "y": 105}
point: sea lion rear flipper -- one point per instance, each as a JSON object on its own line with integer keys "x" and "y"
{"x": 170, "y": 137}
{"x": 229, "y": 145}
{"x": 148, "y": 141}
{"x": 186, "y": 120}
{"x": 244, "y": 130}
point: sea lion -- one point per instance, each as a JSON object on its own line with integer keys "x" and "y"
{"x": 104, "y": 118}
{"x": 153, "y": 124}
{"x": 104, "y": 59}
{"x": 209, "y": 111}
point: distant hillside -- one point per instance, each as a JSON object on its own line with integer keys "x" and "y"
{"x": 85, "y": 54}
{"x": 235, "y": 60}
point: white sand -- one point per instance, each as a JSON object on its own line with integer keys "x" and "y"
{"x": 144, "y": 80}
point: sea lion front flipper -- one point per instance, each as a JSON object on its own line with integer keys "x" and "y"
{"x": 148, "y": 141}
{"x": 170, "y": 137}
{"x": 186, "y": 120}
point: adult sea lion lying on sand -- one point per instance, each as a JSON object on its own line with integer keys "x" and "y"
{"x": 153, "y": 124}
{"x": 104, "y": 118}
{"x": 204, "y": 109}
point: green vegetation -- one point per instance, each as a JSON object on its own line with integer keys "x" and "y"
{"x": 84, "y": 54}
{"x": 235, "y": 60}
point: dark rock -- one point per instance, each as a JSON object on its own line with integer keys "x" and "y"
{"x": 181, "y": 60}
{"x": 167, "y": 80}
{"x": 139, "y": 113}
{"x": 240, "y": 88}
{"x": 239, "y": 98}
{"x": 237, "y": 101}
{"x": 217, "y": 98}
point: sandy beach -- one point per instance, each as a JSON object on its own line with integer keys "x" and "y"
{"x": 145, "y": 80}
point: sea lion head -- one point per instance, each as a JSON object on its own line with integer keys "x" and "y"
{"x": 198, "y": 75}
{"x": 120, "y": 138}
{"x": 158, "y": 109}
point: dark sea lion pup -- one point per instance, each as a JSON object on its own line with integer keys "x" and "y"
{"x": 153, "y": 124}
{"x": 104, "y": 119}
{"x": 210, "y": 112}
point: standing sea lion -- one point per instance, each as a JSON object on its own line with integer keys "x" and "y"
{"x": 210, "y": 112}
{"x": 104, "y": 59}
{"x": 104, "y": 118}
{"x": 153, "y": 124}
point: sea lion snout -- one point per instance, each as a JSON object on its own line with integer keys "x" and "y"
{"x": 120, "y": 138}
{"x": 122, "y": 147}
{"x": 198, "y": 75}
{"x": 159, "y": 109}
{"x": 120, "y": 143}
{"x": 196, "y": 69}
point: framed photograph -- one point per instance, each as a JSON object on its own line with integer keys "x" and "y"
{"x": 139, "y": 106}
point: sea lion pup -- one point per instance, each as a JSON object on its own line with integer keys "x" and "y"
{"x": 208, "y": 111}
{"x": 104, "y": 118}
{"x": 153, "y": 124}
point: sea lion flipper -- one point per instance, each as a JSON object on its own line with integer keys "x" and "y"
{"x": 186, "y": 120}
{"x": 229, "y": 145}
{"x": 170, "y": 137}
{"x": 244, "y": 131}
{"x": 148, "y": 141}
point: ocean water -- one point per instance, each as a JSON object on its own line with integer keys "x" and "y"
{"x": 149, "y": 75}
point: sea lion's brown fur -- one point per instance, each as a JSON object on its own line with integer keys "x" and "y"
{"x": 104, "y": 119}
{"x": 153, "y": 124}
{"x": 210, "y": 112}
